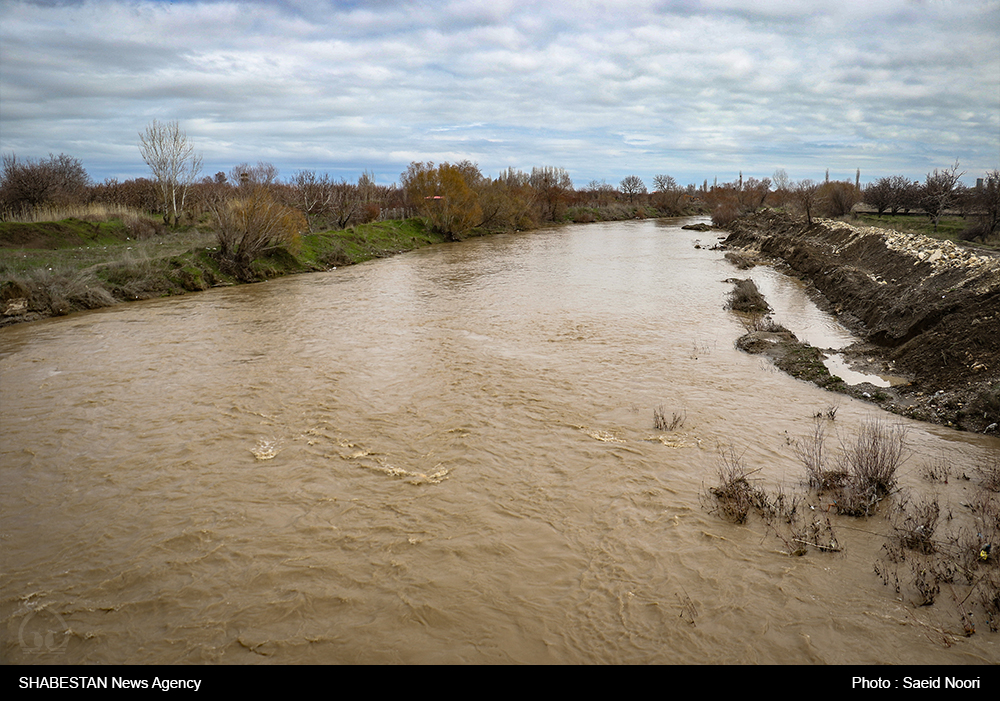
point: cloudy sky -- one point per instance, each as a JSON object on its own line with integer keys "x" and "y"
{"x": 693, "y": 88}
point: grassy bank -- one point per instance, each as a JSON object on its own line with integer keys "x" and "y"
{"x": 55, "y": 268}
{"x": 52, "y": 268}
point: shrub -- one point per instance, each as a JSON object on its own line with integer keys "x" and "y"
{"x": 251, "y": 224}
{"x": 735, "y": 494}
{"x": 870, "y": 463}
{"x": 812, "y": 453}
{"x": 745, "y": 297}
{"x": 661, "y": 423}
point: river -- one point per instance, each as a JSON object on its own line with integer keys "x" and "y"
{"x": 443, "y": 457}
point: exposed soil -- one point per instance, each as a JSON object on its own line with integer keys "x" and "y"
{"x": 926, "y": 309}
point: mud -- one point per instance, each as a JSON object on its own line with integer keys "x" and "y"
{"x": 924, "y": 308}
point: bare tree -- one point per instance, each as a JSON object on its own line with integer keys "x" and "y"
{"x": 752, "y": 193}
{"x": 263, "y": 174}
{"x": 668, "y": 195}
{"x": 631, "y": 186}
{"x": 939, "y": 192}
{"x": 879, "y": 194}
{"x": 806, "y": 194}
{"x": 313, "y": 193}
{"x": 664, "y": 183}
{"x": 601, "y": 193}
{"x": 782, "y": 186}
{"x": 29, "y": 183}
{"x": 552, "y": 186}
{"x": 985, "y": 204}
{"x": 174, "y": 163}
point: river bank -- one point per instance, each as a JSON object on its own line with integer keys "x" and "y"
{"x": 925, "y": 309}
{"x": 56, "y": 268}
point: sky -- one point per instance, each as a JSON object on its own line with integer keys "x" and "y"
{"x": 696, "y": 89}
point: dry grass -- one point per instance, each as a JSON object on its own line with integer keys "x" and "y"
{"x": 864, "y": 472}
{"x": 661, "y": 423}
{"x": 745, "y": 297}
{"x": 735, "y": 494}
{"x": 871, "y": 462}
{"x": 813, "y": 455}
{"x": 94, "y": 211}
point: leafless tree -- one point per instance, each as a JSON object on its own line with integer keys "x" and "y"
{"x": 313, "y": 193}
{"x": 668, "y": 195}
{"x": 28, "y": 183}
{"x": 174, "y": 163}
{"x": 664, "y": 183}
{"x": 939, "y": 192}
{"x": 806, "y": 194}
{"x": 601, "y": 193}
{"x": 632, "y": 186}
{"x": 752, "y": 193}
{"x": 246, "y": 175}
{"x": 879, "y": 195}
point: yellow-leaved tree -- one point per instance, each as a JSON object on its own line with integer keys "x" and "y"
{"x": 445, "y": 196}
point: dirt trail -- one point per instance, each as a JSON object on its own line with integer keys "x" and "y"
{"x": 926, "y": 308}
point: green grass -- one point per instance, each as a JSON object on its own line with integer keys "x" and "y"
{"x": 59, "y": 274}
{"x": 949, "y": 228}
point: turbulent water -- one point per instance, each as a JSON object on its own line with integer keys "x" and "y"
{"x": 444, "y": 457}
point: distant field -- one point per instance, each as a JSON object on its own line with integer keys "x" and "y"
{"x": 949, "y": 228}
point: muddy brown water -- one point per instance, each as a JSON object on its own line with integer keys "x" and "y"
{"x": 443, "y": 457}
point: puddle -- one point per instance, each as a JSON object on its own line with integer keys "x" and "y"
{"x": 837, "y": 365}
{"x": 796, "y": 311}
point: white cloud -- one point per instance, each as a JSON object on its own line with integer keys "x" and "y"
{"x": 700, "y": 88}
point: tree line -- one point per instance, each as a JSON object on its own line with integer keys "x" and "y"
{"x": 252, "y": 210}
{"x": 941, "y": 192}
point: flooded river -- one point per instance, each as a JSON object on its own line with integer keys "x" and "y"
{"x": 443, "y": 457}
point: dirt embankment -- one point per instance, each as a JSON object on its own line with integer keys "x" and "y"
{"x": 925, "y": 308}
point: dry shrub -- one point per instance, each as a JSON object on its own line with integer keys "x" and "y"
{"x": 661, "y": 423}
{"x": 755, "y": 321}
{"x": 745, "y": 297}
{"x": 253, "y": 224}
{"x": 962, "y": 559}
{"x": 741, "y": 259}
{"x": 59, "y": 291}
{"x": 813, "y": 455}
{"x": 916, "y": 524}
{"x": 735, "y": 495}
{"x": 140, "y": 227}
{"x": 988, "y": 471}
{"x": 938, "y": 470}
{"x": 871, "y": 462}
{"x": 725, "y": 214}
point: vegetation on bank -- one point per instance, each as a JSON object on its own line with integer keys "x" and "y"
{"x": 179, "y": 231}
{"x": 67, "y": 243}
{"x": 101, "y": 258}
{"x": 111, "y": 266}
{"x": 941, "y": 206}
